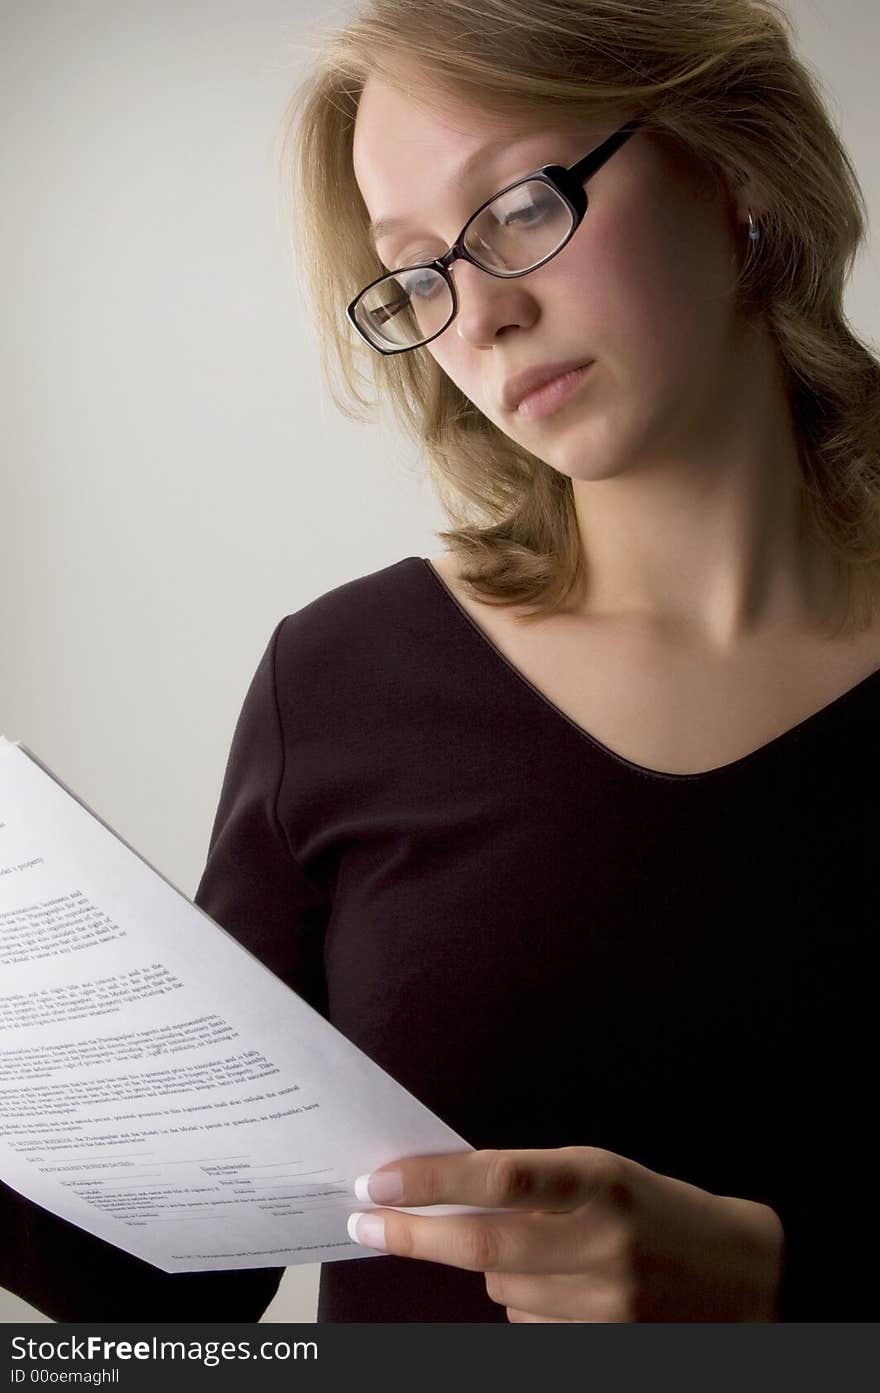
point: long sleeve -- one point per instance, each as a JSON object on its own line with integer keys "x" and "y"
{"x": 251, "y": 886}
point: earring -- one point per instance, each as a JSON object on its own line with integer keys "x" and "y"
{"x": 754, "y": 232}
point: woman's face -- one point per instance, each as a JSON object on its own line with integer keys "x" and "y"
{"x": 642, "y": 290}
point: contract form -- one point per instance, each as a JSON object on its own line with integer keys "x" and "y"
{"x": 160, "y": 1087}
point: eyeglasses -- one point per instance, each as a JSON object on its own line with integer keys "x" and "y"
{"x": 514, "y": 232}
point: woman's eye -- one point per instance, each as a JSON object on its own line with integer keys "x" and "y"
{"x": 423, "y": 289}
{"x": 533, "y": 212}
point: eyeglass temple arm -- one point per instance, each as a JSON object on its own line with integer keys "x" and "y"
{"x": 583, "y": 169}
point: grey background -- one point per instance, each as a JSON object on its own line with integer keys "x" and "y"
{"x": 174, "y": 475}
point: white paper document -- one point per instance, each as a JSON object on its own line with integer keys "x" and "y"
{"x": 160, "y": 1087}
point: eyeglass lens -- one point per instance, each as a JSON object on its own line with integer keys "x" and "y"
{"x": 515, "y": 232}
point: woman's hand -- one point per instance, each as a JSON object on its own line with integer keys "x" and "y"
{"x": 600, "y": 1237}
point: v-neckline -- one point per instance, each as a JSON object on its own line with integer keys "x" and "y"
{"x": 769, "y": 746}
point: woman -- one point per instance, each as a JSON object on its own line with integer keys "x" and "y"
{"x": 663, "y": 584}
{"x": 568, "y": 827}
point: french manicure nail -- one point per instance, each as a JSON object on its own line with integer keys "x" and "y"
{"x": 382, "y": 1187}
{"x": 368, "y": 1229}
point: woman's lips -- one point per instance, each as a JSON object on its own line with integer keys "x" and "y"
{"x": 550, "y": 395}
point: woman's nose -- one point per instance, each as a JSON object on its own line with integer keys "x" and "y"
{"x": 487, "y": 304}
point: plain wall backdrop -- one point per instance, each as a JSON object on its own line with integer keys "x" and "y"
{"x": 175, "y": 478}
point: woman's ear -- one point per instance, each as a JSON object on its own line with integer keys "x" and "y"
{"x": 747, "y": 196}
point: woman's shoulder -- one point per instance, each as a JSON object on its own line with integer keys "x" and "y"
{"x": 359, "y": 627}
{"x": 364, "y": 604}
{"x": 363, "y": 662}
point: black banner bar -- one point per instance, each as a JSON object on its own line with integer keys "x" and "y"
{"x": 131, "y": 1357}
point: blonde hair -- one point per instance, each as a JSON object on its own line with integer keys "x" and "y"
{"x": 719, "y": 76}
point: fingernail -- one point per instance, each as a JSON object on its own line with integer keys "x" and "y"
{"x": 382, "y": 1187}
{"x": 367, "y": 1229}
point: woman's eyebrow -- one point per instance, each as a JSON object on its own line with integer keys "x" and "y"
{"x": 383, "y": 227}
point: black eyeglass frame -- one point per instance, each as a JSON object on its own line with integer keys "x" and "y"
{"x": 567, "y": 182}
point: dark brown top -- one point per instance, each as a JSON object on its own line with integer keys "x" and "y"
{"x": 546, "y": 943}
